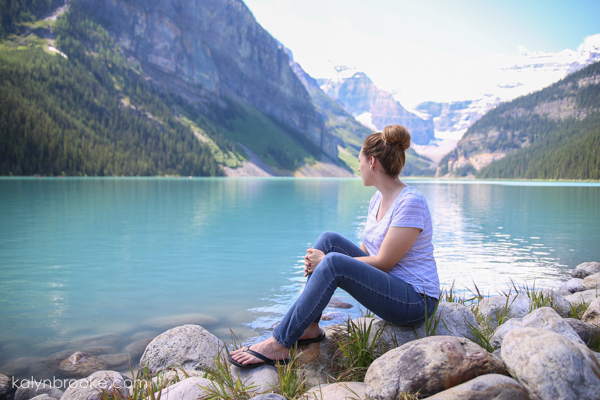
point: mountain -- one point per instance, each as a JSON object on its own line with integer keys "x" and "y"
{"x": 164, "y": 87}
{"x": 373, "y": 107}
{"x": 550, "y": 134}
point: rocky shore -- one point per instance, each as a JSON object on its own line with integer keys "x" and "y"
{"x": 526, "y": 343}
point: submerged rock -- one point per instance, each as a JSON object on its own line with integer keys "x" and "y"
{"x": 188, "y": 346}
{"x": 428, "y": 366}
{"x": 550, "y": 366}
{"x": 19, "y": 367}
{"x": 81, "y": 365}
{"x": 586, "y": 269}
{"x": 486, "y": 387}
{"x": 337, "y": 303}
{"x": 136, "y": 349}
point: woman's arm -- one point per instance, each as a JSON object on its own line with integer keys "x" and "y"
{"x": 396, "y": 243}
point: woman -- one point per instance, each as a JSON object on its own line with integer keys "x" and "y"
{"x": 393, "y": 273}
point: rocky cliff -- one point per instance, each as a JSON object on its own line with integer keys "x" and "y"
{"x": 205, "y": 50}
{"x": 376, "y": 108}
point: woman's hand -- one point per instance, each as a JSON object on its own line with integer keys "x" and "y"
{"x": 312, "y": 258}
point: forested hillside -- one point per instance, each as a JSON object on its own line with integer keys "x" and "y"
{"x": 550, "y": 134}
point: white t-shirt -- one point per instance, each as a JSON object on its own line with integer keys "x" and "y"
{"x": 410, "y": 210}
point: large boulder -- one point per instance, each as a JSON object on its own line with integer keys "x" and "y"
{"x": 592, "y": 314}
{"x": 498, "y": 307}
{"x": 591, "y": 282}
{"x": 31, "y": 389}
{"x": 92, "y": 387}
{"x": 557, "y": 302}
{"x": 336, "y": 391}
{"x": 486, "y": 387}
{"x": 542, "y": 318}
{"x": 187, "y": 346}
{"x": 81, "y": 365}
{"x": 188, "y": 389}
{"x": 259, "y": 380}
{"x": 587, "y": 332}
{"x": 585, "y": 269}
{"x": 428, "y": 366}
{"x": 551, "y": 366}
{"x": 573, "y": 285}
{"x": 585, "y": 297}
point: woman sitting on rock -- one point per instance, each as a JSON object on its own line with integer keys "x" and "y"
{"x": 393, "y": 273}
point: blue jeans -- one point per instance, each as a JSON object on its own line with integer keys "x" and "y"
{"x": 386, "y": 295}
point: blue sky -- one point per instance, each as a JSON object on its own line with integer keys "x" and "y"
{"x": 393, "y": 40}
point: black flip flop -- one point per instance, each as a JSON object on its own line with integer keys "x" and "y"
{"x": 265, "y": 361}
{"x": 303, "y": 342}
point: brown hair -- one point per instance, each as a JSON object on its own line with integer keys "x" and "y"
{"x": 388, "y": 147}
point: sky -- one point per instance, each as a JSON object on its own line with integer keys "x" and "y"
{"x": 426, "y": 48}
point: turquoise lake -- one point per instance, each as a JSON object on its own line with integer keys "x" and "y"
{"x": 135, "y": 257}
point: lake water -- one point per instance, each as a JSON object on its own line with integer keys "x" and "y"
{"x": 134, "y": 257}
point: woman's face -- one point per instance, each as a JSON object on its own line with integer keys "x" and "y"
{"x": 364, "y": 168}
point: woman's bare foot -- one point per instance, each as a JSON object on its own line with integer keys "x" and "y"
{"x": 311, "y": 332}
{"x": 269, "y": 348}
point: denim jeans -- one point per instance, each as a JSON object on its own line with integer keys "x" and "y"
{"x": 387, "y": 296}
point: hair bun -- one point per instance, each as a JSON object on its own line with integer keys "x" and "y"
{"x": 396, "y": 135}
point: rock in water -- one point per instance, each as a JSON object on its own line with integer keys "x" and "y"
{"x": 550, "y": 366}
{"x": 486, "y": 387}
{"x": 337, "y": 303}
{"x": 592, "y": 314}
{"x": 81, "y": 365}
{"x": 428, "y": 366}
{"x": 91, "y": 388}
{"x": 585, "y": 269}
{"x": 187, "y": 346}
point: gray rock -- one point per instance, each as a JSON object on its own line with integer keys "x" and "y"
{"x": 48, "y": 367}
{"x": 494, "y": 307}
{"x": 573, "y": 285}
{"x": 268, "y": 396}
{"x": 337, "y": 303}
{"x": 336, "y": 391}
{"x": 542, "y": 318}
{"x": 586, "y": 297}
{"x": 587, "y": 332}
{"x": 188, "y": 389}
{"x": 557, "y": 302}
{"x": 188, "y": 346}
{"x": 19, "y": 367}
{"x": 455, "y": 320}
{"x": 486, "y": 387}
{"x": 592, "y": 314}
{"x": 136, "y": 349}
{"x": 91, "y": 387}
{"x": 5, "y": 385}
{"x": 260, "y": 380}
{"x": 81, "y": 365}
{"x": 428, "y": 366}
{"x": 31, "y": 389}
{"x": 117, "y": 361}
{"x": 180, "y": 320}
{"x": 550, "y": 366}
{"x": 585, "y": 269}
{"x": 170, "y": 377}
{"x": 318, "y": 370}
{"x": 592, "y": 282}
